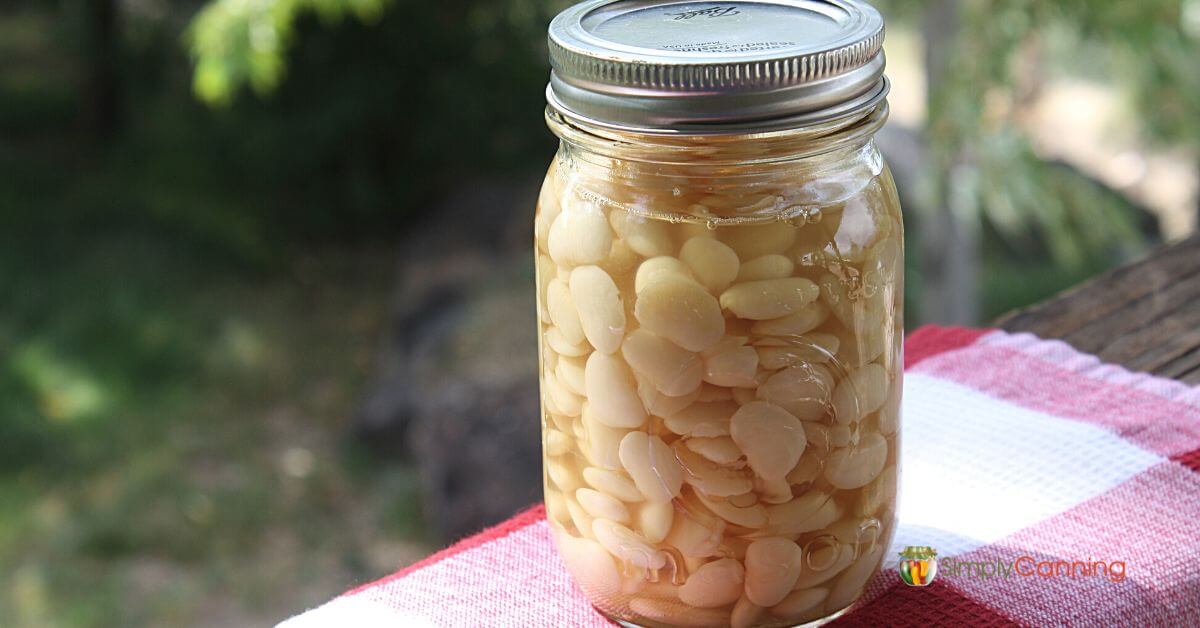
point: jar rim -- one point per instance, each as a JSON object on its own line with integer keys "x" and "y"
{"x": 726, "y": 147}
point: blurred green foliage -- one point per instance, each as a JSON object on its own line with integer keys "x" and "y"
{"x": 998, "y": 57}
{"x": 236, "y": 42}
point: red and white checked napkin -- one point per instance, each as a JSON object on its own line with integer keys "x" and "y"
{"x": 1013, "y": 447}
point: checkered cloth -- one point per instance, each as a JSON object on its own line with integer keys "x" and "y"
{"x": 1015, "y": 449}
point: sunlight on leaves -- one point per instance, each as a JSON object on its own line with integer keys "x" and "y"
{"x": 243, "y": 42}
{"x": 64, "y": 391}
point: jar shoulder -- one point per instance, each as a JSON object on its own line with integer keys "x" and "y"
{"x": 839, "y": 205}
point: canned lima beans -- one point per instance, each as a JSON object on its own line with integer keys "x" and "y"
{"x": 720, "y": 299}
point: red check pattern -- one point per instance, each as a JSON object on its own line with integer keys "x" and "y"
{"x": 1014, "y": 448}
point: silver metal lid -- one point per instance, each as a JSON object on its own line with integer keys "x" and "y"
{"x": 671, "y": 65}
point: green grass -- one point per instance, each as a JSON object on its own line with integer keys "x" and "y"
{"x": 183, "y": 451}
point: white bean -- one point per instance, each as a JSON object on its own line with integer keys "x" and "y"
{"x": 674, "y": 371}
{"x": 811, "y": 348}
{"x": 579, "y": 235}
{"x": 627, "y": 546}
{"x": 601, "y": 313}
{"x": 840, "y": 435}
{"x": 735, "y": 367}
{"x": 745, "y": 613}
{"x": 654, "y": 520}
{"x": 771, "y": 438}
{"x": 689, "y": 230}
{"x": 756, "y": 241}
{"x": 548, "y": 208}
{"x": 744, "y": 500}
{"x": 668, "y": 612}
{"x": 556, "y": 341}
{"x": 636, "y": 584}
{"x": 592, "y": 566}
{"x": 569, "y": 371}
{"x": 848, "y": 585}
{"x": 580, "y": 517}
{"x": 808, "y": 469}
{"x": 567, "y": 402}
{"x": 837, "y": 297}
{"x": 602, "y": 506}
{"x": 556, "y": 507}
{"x": 860, "y": 394}
{"x": 652, "y": 465}
{"x": 772, "y": 266}
{"x": 824, "y": 559}
{"x": 621, "y": 260}
{"x": 726, "y": 344}
{"x": 713, "y": 585}
{"x": 693, "y": 537}
{"x": 612, "y": 392}
{"x": 744, "y": 396}
{"x": 868, "y": 341}
{"x": 546, "y": 272}
{"x": 714, "y": 264}
{"x": 889, "y": 414}
{"x": 561, "y": 422}
{"x": 753, "y": 516}
{"x": 879, "y": 492}
{"x": 681, "y": 311}
{"x": 656, "y": 267}
{"x": 772, "y": 566}
{"x": 803, "y": 390}
{"x": 809, "y": 512}
{"x": 613, "y": 484}
{"x": 773, "y": 491}
{"x": 769, "y": 298}
{"x": 563, "y": 312}
{"x": 799, "y": 322}
{"x": 647, "y": 237}
{"x": 856, "y": 465}
{"x": 562, "y": 475}
{"x": 801, "y": 606}
{"x": 857, "y": 532}
{"x": 557, "y": 443}
{"x": 866, "y": 326}
{"x": 657, "y": 403}
{"x": 702, "y": 419}
{"x": 603, "y": 441}
{"x": 819, "y": 438}
{"x": 710, "y": 393}
{"x": 720, "y": 449}
{"x": 709, "y": 477}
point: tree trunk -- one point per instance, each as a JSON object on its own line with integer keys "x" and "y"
{"x": 101, "y": 83}
{"x": 948, "y": 229}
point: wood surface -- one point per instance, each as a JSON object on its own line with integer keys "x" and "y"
{"x": 1145, "y": 315}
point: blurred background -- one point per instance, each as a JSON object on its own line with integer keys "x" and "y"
{"x": 267, "y": 322}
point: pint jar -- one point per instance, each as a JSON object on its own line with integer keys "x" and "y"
{"x": 719, "y": 254}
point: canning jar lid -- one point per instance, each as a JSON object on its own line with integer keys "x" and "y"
{"x": 696, "y": 67}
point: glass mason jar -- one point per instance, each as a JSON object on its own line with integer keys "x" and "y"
{"x": 720, "y": 300}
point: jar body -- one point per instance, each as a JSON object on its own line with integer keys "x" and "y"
{"x": 720, "y": 359}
